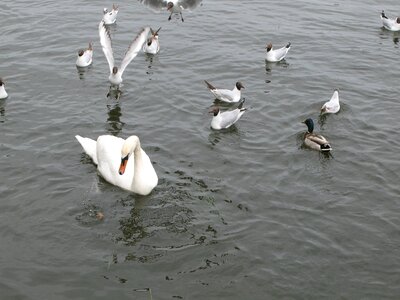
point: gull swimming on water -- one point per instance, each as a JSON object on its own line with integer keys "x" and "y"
{"x": 390, "y": 24}
{"x": 115, "y": 77}
{"x": 222, "y": 120}
{"x": 226, "y": 95}
{"x": 3, "y": 93}
{"x": 333, "y": 105}
{"x": 152, "y": 46}
{"x": 276, "y": 55}
{"x": 85, "y": 56}
{"x": 110, "y": 17}
{"x": 313, "y": 140}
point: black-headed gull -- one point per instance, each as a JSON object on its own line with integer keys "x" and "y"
{"x": 110, "y": 17}
{"x": 333, "y": 105}
{"x": 3, "y": 93}
{"x": 275, "y": 55}
{"x": 222, "y": 120}
{"x": 313, "y": 140}
{"x": 226, "y": 95}
{"x": 85, "y": 56}
{"x": 152, "y": 46}
{"x": 115, "y": 77}
{"x": 390, "y": 24}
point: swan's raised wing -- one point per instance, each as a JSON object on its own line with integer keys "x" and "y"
{"x": 134, "y": 48}
{"x": 105, "y": 41}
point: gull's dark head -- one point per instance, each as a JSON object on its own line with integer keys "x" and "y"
{"x": 214, "y": 110}
{"x": 115, "y": 70}
{"x": 80, "y": 52}
{"x": 269, "y": 47}
{"x": 239, "y": 85}
{"x": 170, "y": 5}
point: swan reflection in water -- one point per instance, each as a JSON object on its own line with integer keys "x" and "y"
{"x": 175, "y": 7}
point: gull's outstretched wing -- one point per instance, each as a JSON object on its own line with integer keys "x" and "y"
{"x": 105, "y": 41}
{"x": 134, "y": 48}
{"x": 159, "y": 5}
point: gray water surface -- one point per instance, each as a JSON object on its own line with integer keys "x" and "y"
{"x": 246, "y": 213}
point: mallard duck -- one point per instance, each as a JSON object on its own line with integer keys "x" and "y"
{"x": 315, "y": 141}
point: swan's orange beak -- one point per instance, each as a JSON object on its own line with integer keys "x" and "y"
{"x": 122, "y": 166}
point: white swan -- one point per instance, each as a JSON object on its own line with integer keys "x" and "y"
{"x": 111, "y": 155}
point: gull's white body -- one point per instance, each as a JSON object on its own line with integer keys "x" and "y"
{"x": 227, "y": 95}
{"x": 110, "y": 17}
{"x": 333, "y": 105}
{"x": 3, "y": 93}
{"x": 226, "y": 119}
{"x": 275, "y": 55}
{"x": 154, "y": 47}
{"x": 86, "y": 59}
{"x": 177, "y": 8}
{"x": 139, "y": 177}
{"x": 131, "y": 53}
{"x": 390, "y": 24}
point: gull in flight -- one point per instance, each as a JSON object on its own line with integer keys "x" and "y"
{"x": 115, "y": 77}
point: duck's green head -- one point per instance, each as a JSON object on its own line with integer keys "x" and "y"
{"x": 310, "y": 125}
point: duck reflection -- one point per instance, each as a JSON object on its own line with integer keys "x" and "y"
{"x": 114, "y": 124}
{"x": 175, "y": 7}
